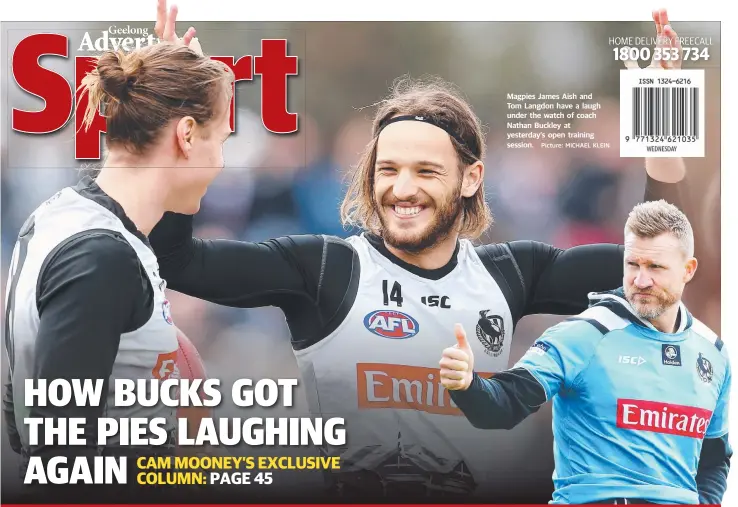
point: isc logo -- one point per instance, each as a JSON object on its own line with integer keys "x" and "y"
{"x": 391, "y": 324}
{"x": 434, "y": 301}
{"x": 636, "y": 360}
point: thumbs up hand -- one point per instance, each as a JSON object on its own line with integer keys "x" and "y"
{"x": 457, "y": 363}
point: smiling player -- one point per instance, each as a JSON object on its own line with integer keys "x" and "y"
{"x": 368, "y": 315}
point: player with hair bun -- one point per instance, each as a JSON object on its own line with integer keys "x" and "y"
{"x": 85, "y": 299}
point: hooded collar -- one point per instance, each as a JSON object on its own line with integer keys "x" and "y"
{"x": 616, "y": 302}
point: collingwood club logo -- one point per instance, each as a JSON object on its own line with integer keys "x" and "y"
{"x": 491, "y": 332}
{"x": 166, "y": 311}
{"x": 704, "y": 368}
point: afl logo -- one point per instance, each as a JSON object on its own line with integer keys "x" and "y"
{"x": 166, "y": 311}
{"x": 391, "y": 324}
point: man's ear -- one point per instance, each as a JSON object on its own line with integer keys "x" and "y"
{"x": 472, "y": 179}
{"x": 186, "y": 134}
{"x": 689, "y": 269}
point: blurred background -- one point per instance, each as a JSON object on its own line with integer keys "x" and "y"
{"x": 293, "y": 184}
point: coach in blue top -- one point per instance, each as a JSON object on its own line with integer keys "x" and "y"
{"x": 640, "y": 388}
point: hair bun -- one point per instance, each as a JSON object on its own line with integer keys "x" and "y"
{"x": 117, "y": 76}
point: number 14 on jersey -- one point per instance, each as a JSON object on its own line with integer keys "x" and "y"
{"x": 394, "y": 295}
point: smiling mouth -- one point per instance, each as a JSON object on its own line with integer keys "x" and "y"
{"x": 407, "y": 211}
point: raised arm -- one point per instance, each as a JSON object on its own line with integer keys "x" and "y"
{"x": 557, "y": 281}
{"x": 278, "y": 272}
{"x": 666, "y": 176}
{"x": 666, "y": 179}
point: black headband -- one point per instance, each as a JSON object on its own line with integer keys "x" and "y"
{"x": 430, "y": 121}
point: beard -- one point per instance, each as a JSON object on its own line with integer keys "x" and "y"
{"x": 445, "y": 218}
{"x": 664, "y": 300}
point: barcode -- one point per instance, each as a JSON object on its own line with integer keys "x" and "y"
{"x": 662, "y": 113}
{"x": 666, "y": 111}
